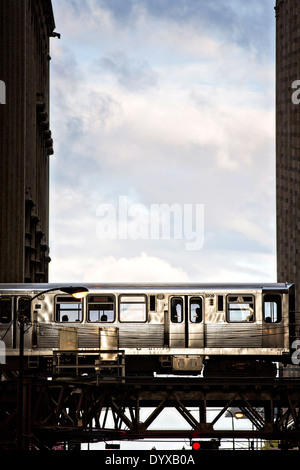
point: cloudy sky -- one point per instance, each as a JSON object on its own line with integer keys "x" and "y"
{"x": 163, "y": 119}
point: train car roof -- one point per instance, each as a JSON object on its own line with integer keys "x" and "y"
{"x": 144, "y": 285}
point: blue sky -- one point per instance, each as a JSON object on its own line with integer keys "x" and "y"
{"x": 163, "y": 102}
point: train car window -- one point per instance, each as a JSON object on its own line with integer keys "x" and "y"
{"x": 176, "y": 310}
{"x": 196, "y": 310}
{"x": 152, "y": 303}
{"x": 68, "y": 309}
{"x": 133, "y": 308}
{"x": 101, "y": 308}
{"x": 240, "y": 308}
{"x": 220, "y": 303}
{"x": 5, "y": 309}
{"x": 24, "y": 307}
{"x": 272, "y": 308}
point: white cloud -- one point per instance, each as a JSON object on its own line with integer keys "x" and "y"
{"x": 142, "y": 268}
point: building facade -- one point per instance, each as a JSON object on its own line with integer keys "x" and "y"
{"x": 25, "y": 139}
{"x": 288, "y": 142}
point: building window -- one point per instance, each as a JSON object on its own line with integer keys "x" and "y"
{"x": 272, "y": 308}
{"x": 196, "y": 310}
{"x": 101, "y": 308}
{"x": 176, "y": 310}
{"x": 5, "y": 309}
{"x": 133, "y": 308}
{"x": 240, "y": 308}
{"x": 68, "y": 309}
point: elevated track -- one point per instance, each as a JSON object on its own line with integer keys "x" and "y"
{"x": 73, "y": 410}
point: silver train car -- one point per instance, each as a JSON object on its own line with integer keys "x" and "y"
{"x": 145, "y": 329}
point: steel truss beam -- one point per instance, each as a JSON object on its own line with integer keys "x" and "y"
{"x": 74, "y": 411}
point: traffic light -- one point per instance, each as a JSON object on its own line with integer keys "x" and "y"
{"x": 206, "y": 445}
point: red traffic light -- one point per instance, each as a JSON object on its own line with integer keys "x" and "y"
{"x": 206, "y": 445}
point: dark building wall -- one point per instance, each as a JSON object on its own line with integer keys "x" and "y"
{"x": 288, "y": 143}
{"x": 25, "y": 139}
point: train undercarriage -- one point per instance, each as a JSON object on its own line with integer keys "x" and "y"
{"x": 99, "y": 363}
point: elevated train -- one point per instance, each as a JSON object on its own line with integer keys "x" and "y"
{"x": 170, "y": 329}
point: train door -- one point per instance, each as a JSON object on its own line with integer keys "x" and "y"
{"x": 186, "y": 322}
{"x": 6, "y": 320}
{"x": 177, "y": 322}
{"x": 23, "y": 312}
{"x": 195, "y": 323}
{"x": 10, "y": 306}
{"x": 273, "y": 328}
